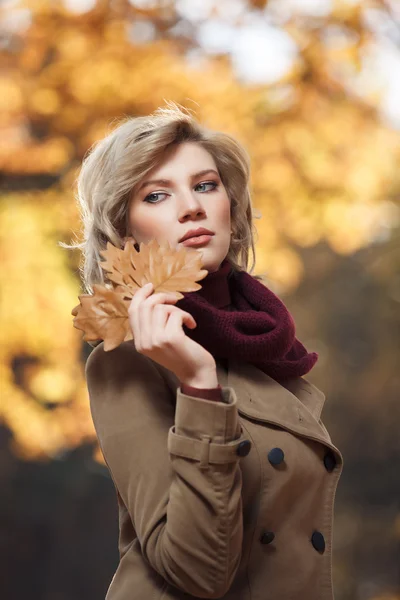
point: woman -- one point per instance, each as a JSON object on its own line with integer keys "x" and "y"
{"x": 225, "y": 474}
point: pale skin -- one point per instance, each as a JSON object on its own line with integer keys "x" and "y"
{"x": 192, "y": 196}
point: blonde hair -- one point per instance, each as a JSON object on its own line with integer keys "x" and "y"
{"x": 114, "y": 165}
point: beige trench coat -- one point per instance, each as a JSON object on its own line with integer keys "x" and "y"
{"x": 231, "y": 500}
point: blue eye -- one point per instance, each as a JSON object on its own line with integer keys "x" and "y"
{"x": 153, "y": 194}
{"x": 214, "y": 185}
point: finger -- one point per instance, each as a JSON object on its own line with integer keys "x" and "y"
{"x": 153, "y": 299}
{"x": 161, "y": 313}
{"x": 189, "y": 321}
{"x": 147, "y": 319}
{"x": 176, "y": 319}
{"x": 141, "y": 319}
{"x": 173, "y": 325}
{"x": 187, "y": 318}
{"x": 134, "y": 317}
{"x": 146, "y": 315}
{"x": 161, "y": 297}
{"x": 141, "y": 294}
{"x": 134, "y": 323}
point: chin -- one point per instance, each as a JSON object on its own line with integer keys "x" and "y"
{"x": 211, "y": 263}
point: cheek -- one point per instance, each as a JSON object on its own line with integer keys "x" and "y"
{"x": 146, "y": 223}
{"x": 224, "y": 210}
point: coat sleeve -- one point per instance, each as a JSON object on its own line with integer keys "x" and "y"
{"x": 205, "y": 393}
{"x": 176, "y": 468}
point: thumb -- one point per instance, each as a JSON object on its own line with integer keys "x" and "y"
{"x": 189, "y": 321}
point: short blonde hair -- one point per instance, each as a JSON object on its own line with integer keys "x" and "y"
{"x": 114, "y": 165}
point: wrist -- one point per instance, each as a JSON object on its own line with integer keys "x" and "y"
{"x": 206, "y": 380}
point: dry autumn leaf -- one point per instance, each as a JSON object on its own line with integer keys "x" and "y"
{"x": 168, "y": 269}
{"x": 103, "y": 315}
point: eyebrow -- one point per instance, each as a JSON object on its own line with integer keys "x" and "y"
{"x": 168, "y": 182}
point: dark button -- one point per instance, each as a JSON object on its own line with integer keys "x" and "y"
{"x": 318, "y": 541}
{"x": 244, "y": 448}
{"x": 276, "y": 456}
{"x": 329, "y": 461}
{"x": 267, "y": 537}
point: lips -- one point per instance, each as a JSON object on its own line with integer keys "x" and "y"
{"x": 197, "y": 240}
{"x": 195, "y": 233}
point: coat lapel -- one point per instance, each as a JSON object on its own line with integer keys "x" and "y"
{"x": 296, "y": 407}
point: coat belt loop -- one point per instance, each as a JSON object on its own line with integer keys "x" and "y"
{"x": 205, "y": 451}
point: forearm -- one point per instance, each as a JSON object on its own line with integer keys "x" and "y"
{"x": 204, "y": 379}
{"x": 176, "y": 468}
{"x": 206, "y": 387}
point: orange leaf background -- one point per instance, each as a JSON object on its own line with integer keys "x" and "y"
{"x": 325, "y": 183}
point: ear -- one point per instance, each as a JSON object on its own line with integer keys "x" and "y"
{"x": 128, "y": 239}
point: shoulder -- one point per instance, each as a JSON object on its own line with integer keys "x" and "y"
{"x": 121, "y": 365}
{"x": 126, "y": 391}
{"x": 121, "y": 356}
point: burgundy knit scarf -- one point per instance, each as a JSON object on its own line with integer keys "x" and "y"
{"x": 238, "y": 317}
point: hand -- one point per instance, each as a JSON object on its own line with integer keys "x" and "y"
{"x": 157, "y": 332}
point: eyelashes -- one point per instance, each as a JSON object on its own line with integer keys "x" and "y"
{"x": 214, "y": 185}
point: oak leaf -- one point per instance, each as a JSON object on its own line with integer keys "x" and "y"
{"x": 168, "y": 269}
{"x": 103, "y": 315}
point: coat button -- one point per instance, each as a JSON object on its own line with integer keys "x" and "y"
{"x": 243, "y": 448}
{"x": 267, "y": 537}
{"x": 329, "y": 461}
{"x": 318, "y": 541}
{"x": 276, "y": 456}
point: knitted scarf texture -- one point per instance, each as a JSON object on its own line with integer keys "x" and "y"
{"x": 238, "y": 317}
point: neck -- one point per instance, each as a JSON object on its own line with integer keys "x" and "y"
{"x": 215, "y": 286}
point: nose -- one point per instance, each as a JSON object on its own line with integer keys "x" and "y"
{"x": 190, "y": 206}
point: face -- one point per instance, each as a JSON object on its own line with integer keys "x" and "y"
{"x": 191, "y": 195}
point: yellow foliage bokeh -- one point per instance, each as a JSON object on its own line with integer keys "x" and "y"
{"x": 324, "y": 170}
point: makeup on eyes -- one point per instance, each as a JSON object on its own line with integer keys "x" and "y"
{"x": 214, "y": 183}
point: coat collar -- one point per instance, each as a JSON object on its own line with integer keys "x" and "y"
{"x": 296, "y": 407}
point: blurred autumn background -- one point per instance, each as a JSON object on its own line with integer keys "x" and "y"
{"x": 312, "y": 89}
